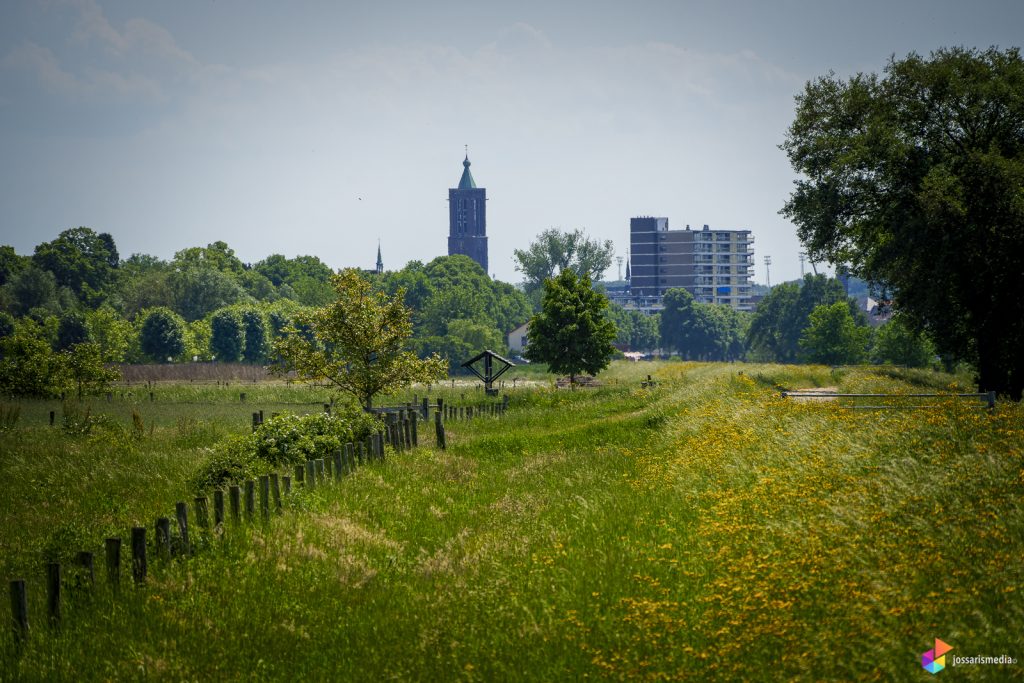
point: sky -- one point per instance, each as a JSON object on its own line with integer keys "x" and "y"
{"x": 324, "y": 127}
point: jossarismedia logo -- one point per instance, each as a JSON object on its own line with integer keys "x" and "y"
{"x": 934, "y": 661}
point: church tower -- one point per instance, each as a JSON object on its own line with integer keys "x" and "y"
{"x": 467, "y": 218}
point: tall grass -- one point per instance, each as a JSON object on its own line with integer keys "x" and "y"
{"x": 702, "y": 529}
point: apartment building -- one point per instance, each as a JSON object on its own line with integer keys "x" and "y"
{"x": 713, "y": 265}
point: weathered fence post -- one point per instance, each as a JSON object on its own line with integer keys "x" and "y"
{"x": 337, "y": 464}
{"x": 181, "y": 512}
{"x": 113, "y": 553}
{"x": 250, "y": 500}
{"x": 255, "y": 421}
{"x": 218, "y": 508}
{"x": 53, "y": 593}
{"x": 139, "y": 554}
{"x": 163, "y": 537}
{"x": 265, "y": 497}
{"x": 19, "y": 608}
{"x": 202, "y": 512}
{"x": 310, "y": 474}
{"x": 235, "y": 494}
{"x": 85, "y": 563}
{"x": 425, "y": 408}
{"x": 413, "y": 420}
{"x": 439, "y": 431}
{"x": 300, "y": 470}
{"x": 350, "y": 457}
{"x": 362, "y": 452}
{"x": 286, "y": 482}
{"x": 991, "y": 397}
{"x": 53, "y": 416}
{"x": 275, "y": 487}
{"x": 440, "y": 407}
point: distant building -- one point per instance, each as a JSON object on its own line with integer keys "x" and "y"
{"x": 380, "y": 264}
{"x": 467, "y": 219}
{"x": 519, "y": 338}
{"x": 713, "y": 265}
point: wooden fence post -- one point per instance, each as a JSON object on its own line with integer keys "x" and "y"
{"x": 265, "y": 497}
{"x": 413, "y": 419}
{"x": 255, "y": 421}
{"x": 235, "y": 494}
{"x": 425, "y": 409}
{"x": 181, "y": 512}
{"x": 439, "y": 431}
{"x": 299, "y": 471}
{"x": 350, "y": 457}
{"x": 84, "y": 560}
{"x": 163, "y": 537}
{"x": 139, "y": 554}
{"x": 218, "y": 508}
{"x": 250, "y": 499}
{"x": 113, "y": 553}
{"x": 19, "y": 608}
{"x": 53, "y": 593}
{"x": 275, "y": 487}
{"x": 202, "y": 512}
{"x": 286, "y": 482}
{"x": 362, "y": 452}
{"x": 310, "y": 474}
{"x": 337, "y": 464}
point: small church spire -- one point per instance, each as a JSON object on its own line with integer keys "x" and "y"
{"x": 380, "y": 261}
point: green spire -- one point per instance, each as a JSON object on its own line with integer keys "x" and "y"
{"x": 466, "y": 182}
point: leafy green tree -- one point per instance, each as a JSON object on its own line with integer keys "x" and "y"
{"x": 257, "y": 286}
{"x": 199, "y": 291}
{"x": 781, "y": 317}
{"x": 71, "y": 330}
{"x": 28, "y": 366}
{"x": 227, "y": 335}
{"x": 280, "y": 270}
{"x": 896, "y": 342}
{"x": 11, "y": 264}
{"x": 695, "y": 330}
{"x": 635, "y": 329}
{"x": 216, "y": 256}
{"x": 83, "y": 370}
{"x": 915, "y": 178}
{"x": 33, "y": 288}
{"x": 833, "y": 338}
{"x": 82, "y": 260}
{"x": 162, "y": 334}
{"x": 359, "y": 343}
{"x": 554, "y": 251}
{"x": 111, "y": 332}
{"x": 254, "y": 325}
{"x": 572, "y": 332}
{"x": 6, "y": 324}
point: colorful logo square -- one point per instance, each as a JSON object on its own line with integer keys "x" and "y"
{"x": 933, "y": 661}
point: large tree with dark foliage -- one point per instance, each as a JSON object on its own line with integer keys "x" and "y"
{"x": 915, "y": 180}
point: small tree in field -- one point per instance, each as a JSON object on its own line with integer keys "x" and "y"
{"x": 572, "y": 333}
{"x": 358, "y": 343}
{"x": 84, "y": 371}
{"x": 832, "y": 337}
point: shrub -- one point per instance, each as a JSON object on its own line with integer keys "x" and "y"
{"x": 284, "y": 440}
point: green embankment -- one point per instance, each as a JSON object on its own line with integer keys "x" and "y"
{"x": 702, "y": 529}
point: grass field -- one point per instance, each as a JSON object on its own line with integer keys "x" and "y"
{"x": 702, "y": 529}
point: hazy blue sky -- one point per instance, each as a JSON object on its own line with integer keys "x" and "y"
{"x": 319, "y": 127}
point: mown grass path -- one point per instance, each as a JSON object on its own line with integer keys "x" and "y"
{"x": 705, "y": 529}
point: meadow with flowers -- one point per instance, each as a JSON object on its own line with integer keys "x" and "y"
{"x": 703, "y": 528}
